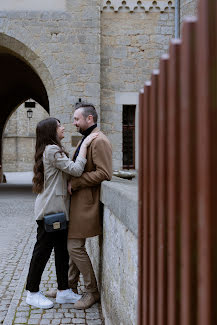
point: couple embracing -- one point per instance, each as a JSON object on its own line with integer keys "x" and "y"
{"x": 55, "y": 177}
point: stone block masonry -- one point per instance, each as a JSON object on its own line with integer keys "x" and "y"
{"x": 114, "y": 254}
{"x": 131, "y": 44}
{"x": 90, "y": 50}
{"x": 19, "y": 139}
{"x": 63, "y": 48}
{"x": 188, "y": 8}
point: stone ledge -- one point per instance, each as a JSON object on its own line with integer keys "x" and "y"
{"x": 121, "y": 197}
{"x": 137, "y": 5}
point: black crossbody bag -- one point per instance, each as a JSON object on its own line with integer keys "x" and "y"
{"x": 55, "y": 222}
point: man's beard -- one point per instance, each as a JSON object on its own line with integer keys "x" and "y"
{"x": 80, "y": 130}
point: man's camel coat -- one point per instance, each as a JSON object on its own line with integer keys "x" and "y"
{"x": 85, "y": 213}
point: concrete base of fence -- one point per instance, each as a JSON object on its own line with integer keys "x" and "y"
{"x": 114, "y": 254}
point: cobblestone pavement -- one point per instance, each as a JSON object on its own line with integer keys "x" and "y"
{"x": 17, "y": 238}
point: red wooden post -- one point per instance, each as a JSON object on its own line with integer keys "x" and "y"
{"x": 144, "y": 207}
{"x": 146, "y": 168}
{"x": 162, "y": 193}
{"x": 188, "y": 174}
{"x": 153, "y": 146}
{"x": 141, "y": 238}
{"x": 173, "y": 161}
{"x": 178, "y": 202}
{"x": 207, "y": 162}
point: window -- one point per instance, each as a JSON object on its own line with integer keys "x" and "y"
{"x": 129, "y": 136}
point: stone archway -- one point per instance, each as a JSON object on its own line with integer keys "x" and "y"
{"x": 23, "y": 76}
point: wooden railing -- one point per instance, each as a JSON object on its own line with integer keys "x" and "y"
{"x": 178, "y": 180}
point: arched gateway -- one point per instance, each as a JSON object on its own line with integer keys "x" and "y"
{"x": 23, "y": 76}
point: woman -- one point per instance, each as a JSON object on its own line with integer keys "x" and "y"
{"x": 50, "y": 183}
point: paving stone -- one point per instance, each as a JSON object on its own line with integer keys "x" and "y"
{"x": 58, "y": 315}
{"x": 80, "y": 314}
{"x": 78, "y": 321}
{"x": 23, "y": 308}
{"x": 94, "y": 322}
{"x": 69, "y": 315}
{"x": 22, "y": 314}
{"x": 56, "y": 321}
{"x": 34, "y": 321}
{"x": 92, "y": 316}
{"x": 63, "y": 310}
{"x": 45, "y": 321}
{"x": 47, "y": 316}
{"x": 22, "y": 320}
{"x": 66, "y": 321}
{"x": 49, "y": 311}
{"x": 36, "y": 316}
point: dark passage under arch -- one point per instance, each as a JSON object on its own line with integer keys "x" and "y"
{"x": 18, "y": 82}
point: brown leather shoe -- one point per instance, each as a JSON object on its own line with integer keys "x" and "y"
{"x": 53, "y": 292}
{"x": 88, "y": 299}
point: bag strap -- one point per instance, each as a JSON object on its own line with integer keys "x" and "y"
{"x": 62, "y": 185}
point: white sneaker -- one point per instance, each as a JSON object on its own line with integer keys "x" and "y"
{"x": 37, "y": 299}
{"x": 67, "y": 296}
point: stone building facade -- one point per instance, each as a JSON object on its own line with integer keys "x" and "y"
{"x": 188, "y": 8}
{"x": 97, "y": 50}
{"x": 132, "y": 40}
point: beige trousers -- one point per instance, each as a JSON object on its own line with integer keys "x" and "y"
{"x": 79, "y": 262}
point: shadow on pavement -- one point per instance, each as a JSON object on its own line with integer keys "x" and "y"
{"x": 17, "y": 190}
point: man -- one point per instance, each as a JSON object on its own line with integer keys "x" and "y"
{"x": 85, "y": 218}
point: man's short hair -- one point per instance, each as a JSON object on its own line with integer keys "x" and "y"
{"x": 87, "y": 109}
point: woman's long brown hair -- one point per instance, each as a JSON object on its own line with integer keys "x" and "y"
{"x": 46, "y": 133}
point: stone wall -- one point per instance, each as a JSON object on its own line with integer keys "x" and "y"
{"x": 63, "y": 48}
{"x": 90, "y": 49}
{"x": 19, "y": 139}
{"x": 188, "y": 8}
{"x": 114, "y": 254}
{"x": 131, "y": 45}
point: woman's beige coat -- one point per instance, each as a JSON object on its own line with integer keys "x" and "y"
{"x": 57, "y": 167}
{"x": 85, "y": 213}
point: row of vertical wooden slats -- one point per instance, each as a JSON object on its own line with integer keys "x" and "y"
{"x": 178, "y": 180}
